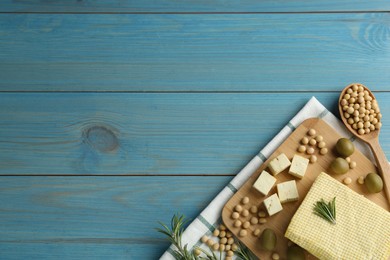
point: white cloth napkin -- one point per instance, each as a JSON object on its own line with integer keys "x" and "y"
{"x": 210, "y": 218}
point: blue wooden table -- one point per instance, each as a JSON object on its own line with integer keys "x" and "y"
{"x": 117, "y": 114}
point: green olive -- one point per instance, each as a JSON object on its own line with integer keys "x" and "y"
{"x": 345, "y": 147}
{"x": 373, "y": 183}
{"x": 339, "y": 166}
{"x": 268, "y": 239}
{"x": 295, "y": 252}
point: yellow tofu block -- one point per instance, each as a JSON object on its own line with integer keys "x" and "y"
{"x": 362, "y": 230}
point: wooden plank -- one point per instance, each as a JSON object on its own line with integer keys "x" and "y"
{"x": 170, "y": 52}
{"x": 95, "y": 217}
{"x": 192, "y": 6}
{"x": 117, "y": 133}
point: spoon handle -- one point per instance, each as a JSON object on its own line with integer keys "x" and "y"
{"x": 383, "y": 165}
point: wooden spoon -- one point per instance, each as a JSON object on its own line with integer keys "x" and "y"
{"x": 372, "y": 140}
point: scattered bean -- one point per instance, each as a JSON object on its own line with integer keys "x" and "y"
{"x": 305, "y": 140}
{"x": 262, "y": 214}
{"x": 319, "y": 138}
{"x": 246, "y": 224}
{"x": 313, "y": 159}
{"x": 256, "y": 232}
{"x": 352, "y": 164}
{"x": 275, "y": 256}
{"x": 254, "y": 220}
{"x": 302, "y": 149}
{"x": 228, "y": 247}
{"x": 311, "y": 132}
{"x": 321, "y": 144}
{"x": 237, "y": 223}
{"x": 348, "y": 159}
{"x": 310, "y": 150}
{"x": 312, "y": 142}
{"x": 216, "y": 247}
{"x": 230, "y": 241}
{"x": 262, "y": 220}
{"x": 347, "y": 180}
{"x": 237, "y": 208}
{"x": 222, "y": 227}
{"x": 222, "y": 234}
{"x": 245, "y": 200}
{"x": 324, "y": 151}
{"x": 222, "y": 247}
{"x": 210, "y": 242}
{"x": 235, "y": 215}
{"x": 197, "y": 251}
{"x": 229, "y": 234}
{"x": 253, "y": 209}
{"x": 229, "y": 253}
{"x": 243, "y": 233}
{"x": 216, "y": 231}
{"x": 204, "y": 239}
{"x": 223, "y": 240}
{"x": 360, "y": 180}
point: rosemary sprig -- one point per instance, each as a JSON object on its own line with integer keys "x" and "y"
{"x": 325, "y": 210}
{"x": 244, "y": 253}
{"x": 174, "y": 234}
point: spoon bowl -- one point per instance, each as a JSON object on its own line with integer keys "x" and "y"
{"x": 372, "y": 139}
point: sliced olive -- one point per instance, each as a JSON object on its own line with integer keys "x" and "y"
{"x": 373, "y": 183}
{"x": 268, "y": 239}
{"x": 339, "y": 166}
{"x": 345, "y": 147}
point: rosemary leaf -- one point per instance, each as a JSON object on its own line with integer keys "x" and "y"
{"x": 325, "y": 210}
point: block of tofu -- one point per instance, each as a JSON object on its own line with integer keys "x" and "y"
{"x": 362, "y": 229}
{"x": 279, "y": 164}
{"x": 264, "y": 183}
{"x": 287, "y": 191}
{"x": 298, "y": 166}
{"x": 272, "y": 204}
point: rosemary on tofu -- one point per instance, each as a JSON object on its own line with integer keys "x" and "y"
{"x": 325, "y": 210}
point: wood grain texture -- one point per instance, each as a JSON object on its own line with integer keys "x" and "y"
{"x": 95, "y": 217}
{"x": 135, "y": 134}
{"x": 116, "y": 133}
{"x": 215, "y": 6}
{"x": 170, "y": 52}
{"x": 279, "y": 222}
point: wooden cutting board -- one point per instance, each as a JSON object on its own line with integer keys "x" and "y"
{"x": 280, "y": 221}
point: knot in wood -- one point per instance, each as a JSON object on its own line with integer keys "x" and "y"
{"x": 101, "y": 138}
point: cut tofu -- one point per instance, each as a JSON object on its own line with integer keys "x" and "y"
{"x": 287, "y": 191}
{"x": 272, "y": 204}
{"x": 264, "y": 183}
{"x": 279, "y": 164}
{"x": 298, "y": 166}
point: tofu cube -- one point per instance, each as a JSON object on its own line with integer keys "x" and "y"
{"x": 264, "y": 183}
{"x": 272, "y": 204}
{"x": 279, "y": 164}
{"x": 287, "y": 191}
{"x": 298, "y": 166}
